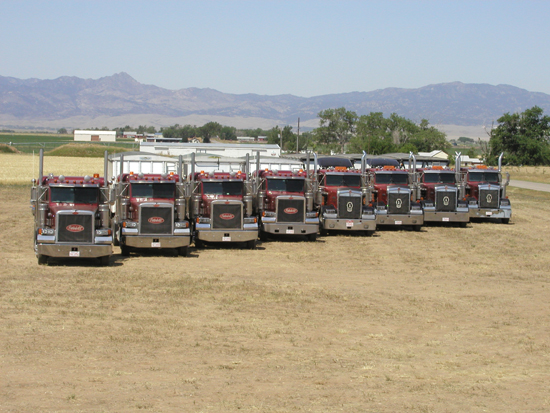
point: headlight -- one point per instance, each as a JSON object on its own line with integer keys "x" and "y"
{"x": 103, "y": 232}
{"x": 129, "y": 224}
{"x": 505, "y": 202}
{"x": 183, "y": 224}
{"x": 311, "y": 214}
{"x": 46, "y": 231}
{"x": 202, "y": 220}
{"x": 269, "y": 214}
{"x": 250, "y": 220}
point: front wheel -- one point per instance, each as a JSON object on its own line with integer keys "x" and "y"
{"x": 417, "y": 228}
{"x": 505, "y": 220}
{"x": 104, "y": 261}
{"x": 312, "y": 237}
{"x": 251, "y": 245}
{"x": 183, "y": 251}
{"x": 42, "y": 259}
{"x": 124, "y": 250}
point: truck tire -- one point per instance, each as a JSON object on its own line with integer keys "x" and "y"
{"x": 104, "y": 261}
{"x": 251, "y": 245}
{"x": 199, "y": 243}
{"x": 505, "y": 220}
{"x": 369, "y": 233}
{"x": 312, "y": 237}
{"x": 263, "y": 236}
{"x": 183, "y": 251}
{"x": 417, "y": 228}
{"x": 124, "y": 250}
{"x": 42, "y": 259}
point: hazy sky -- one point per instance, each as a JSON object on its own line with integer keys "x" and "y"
{"x": 304, "y": 48}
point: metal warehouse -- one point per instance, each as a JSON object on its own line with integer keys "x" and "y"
{"x": 233, "y": 150}
{"x": 94, "y": 136}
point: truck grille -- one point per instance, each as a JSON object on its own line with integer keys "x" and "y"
{"x": 349, "y": 207}
{"x": 75, "y": 228}
{"x": 445, "y": 200}
{"x": 227, "y": 215}
{"x": 291, "y": 210}
{"x": 156, "y": 220}
{"x": 488, "y": 198}
{"x": 399, "y": 202}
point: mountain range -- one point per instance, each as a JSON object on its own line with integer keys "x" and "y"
{"x": 120, "y": 100}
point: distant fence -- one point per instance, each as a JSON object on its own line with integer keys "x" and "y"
{"x": 30, "y": 147}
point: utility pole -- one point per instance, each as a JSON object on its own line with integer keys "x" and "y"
{"x": 298, "y": 135}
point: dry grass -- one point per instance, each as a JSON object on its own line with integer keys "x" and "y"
{"x": 21, "y": 169}
{"x": 529, "y": 173}
{"x": 446, "y": 320}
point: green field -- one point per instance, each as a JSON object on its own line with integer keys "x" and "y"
{"x": 29, "y": 143}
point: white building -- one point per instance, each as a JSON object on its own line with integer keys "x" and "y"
{"x": 94, "y": 136}
{"x": 233, "y": 150}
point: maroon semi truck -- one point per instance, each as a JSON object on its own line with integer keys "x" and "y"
{"x": 486, "y": 192}
{"x": 284, "y": 201}
{"x": 341, "y": 197}
{"x": 222, "y": 207}
{"x": 442, "y": 194}
{"x": 151, "y": 211}
{"x": 71, "y": 216}
{"x": 393, "y": 197}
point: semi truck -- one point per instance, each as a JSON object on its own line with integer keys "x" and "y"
{"x": 150, "y": 211}
{"x": 393, "y": 197}
{"x": 284, "y": 202}
{"x": 222, "y": 206}
{"x": 71, "y": 216}
{"x": 341, "y": 196}
{"x": 486, "y": 192}
{"x": 441, "y": 194}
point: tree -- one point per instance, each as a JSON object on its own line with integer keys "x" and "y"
{"x": 337, "y": 126}
{"x": 62, "y": 131}
{"x": 523, "y": 137}
{"x": 209, "y": 130}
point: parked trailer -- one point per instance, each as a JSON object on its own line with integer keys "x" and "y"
{"x": 71, "y": 216}
{"x": 221, "y": 206}
{"x": 150, "y": 208}
{"x": 341, "y": 196}
{"x": 486, "y": 192}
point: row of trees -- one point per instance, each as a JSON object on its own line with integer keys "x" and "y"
{"x": 523, "y": 137}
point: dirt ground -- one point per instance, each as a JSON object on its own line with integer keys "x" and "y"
{"x": 446, "y": 320}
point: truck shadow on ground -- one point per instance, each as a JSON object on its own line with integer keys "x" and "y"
{"x": 114, "y": 261}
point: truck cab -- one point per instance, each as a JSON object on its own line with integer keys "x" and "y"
{"x": 392, "y": 198}
{"x": 442, "y": 194}
{"x": 486, "y": 193}
{"x": 151, "y": 212}
{"x": 341, "y": 198}
{"x": 221, "y": 208}
{"x": 284, "y": 201}
{"x": 71, "y": 217}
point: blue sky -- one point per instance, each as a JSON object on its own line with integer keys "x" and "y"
{"x": 303, "y": 48}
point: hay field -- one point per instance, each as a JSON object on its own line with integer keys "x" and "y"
{"x": 445, "y": 320}
{"x": 20, "y": 169}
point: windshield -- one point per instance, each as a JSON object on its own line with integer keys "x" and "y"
{"x": 75, "y": 195}
{"x": 483, "y": 177}
{"x": 439, "y": 178}
{"x": 285, "y": 185}
{"x": 223, "y": 188}
{"x": 391, "y": 178}
{"x": 154, "y": 190}
{"x": 343, "y": 180}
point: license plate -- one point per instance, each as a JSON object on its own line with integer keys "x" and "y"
{"x": 398, "y": 222}
{"x": 155, "y": 244}
{"x": 74, "y": 253}
{"x": 228, "y": 239}
{"x": 489, "y": 213}
{"x": 349, "y": 224}
{"x": 446, "y": 219}
{"x": 290, "y": 231}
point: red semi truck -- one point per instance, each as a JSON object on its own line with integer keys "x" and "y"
{"x": 284, "y": 201}
{"x": 71, "y": 216}
{"x": 341, "y": 196}
{"x": 442, "y": 194}
{"x": 151, "y": 211}
{"x": 486, "y": 192}
{"x": 222, "y": 207}
{"x": 393, "y": 197}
